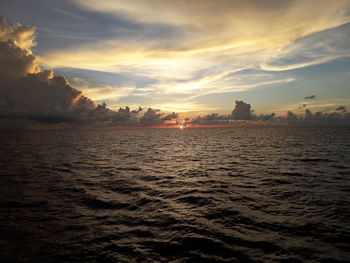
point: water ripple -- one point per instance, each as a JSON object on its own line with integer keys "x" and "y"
{"x": 249, "y": 194}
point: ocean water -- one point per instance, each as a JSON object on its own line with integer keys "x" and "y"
{"x": 249, "y": 194}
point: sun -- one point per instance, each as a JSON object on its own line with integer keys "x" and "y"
{"x": 181, "y": 126}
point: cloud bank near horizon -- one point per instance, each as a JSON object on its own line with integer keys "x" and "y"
{"x": 242, "y": 114}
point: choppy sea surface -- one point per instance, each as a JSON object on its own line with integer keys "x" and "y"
{"x": 249, "y": 194}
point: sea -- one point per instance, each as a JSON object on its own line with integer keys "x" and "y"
{"x": 234, "y": 194}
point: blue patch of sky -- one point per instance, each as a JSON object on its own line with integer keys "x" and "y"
{"x": 328, "y": 81}
{"x": 331, "y": 42}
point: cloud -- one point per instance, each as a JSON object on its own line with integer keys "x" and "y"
{"x": 100, "y": 91}
{"x": 265, "y": 117}
{"x": 313, "y": 49}
{"x": 151, "y": 117}
{"x": 210, "y": 30}
{"x": 237, "y": 20}
{"x": 321, "y": 105}
{"x": 291, "y": 117}
{"x": 184, "y": 106}
{"x": 171, "y": 116}
{"x": 29, "y": 93}
{"x": 213, "y": 40}
{"x": 15, "y": 61}
{"x": 154, "y": 117}
{"x": 341, "y": 108}
{"x": 320, "y": 118}
{"x": 304, "y": 105}
{"x": 242, "y": 115}
{"x": 310, "y": 97}
{"x": 210, "y": 119}
{"x": 23, "y": 36}
{"x": 26, "y": 90}
{"x": 212, "y": 26}
{"x": 241, "y": 111}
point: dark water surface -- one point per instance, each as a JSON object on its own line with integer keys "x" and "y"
{"x": 269, "y": 194}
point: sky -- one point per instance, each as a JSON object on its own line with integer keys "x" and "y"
{"x": 190, "y": 57}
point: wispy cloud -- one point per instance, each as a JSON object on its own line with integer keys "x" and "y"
{"x": 214, "y": 39}
{"x": 310, "y": 97}
{"x": 324, "y": 105}
{"x": 101, "y": 91}
{"x": 316, "y": 48}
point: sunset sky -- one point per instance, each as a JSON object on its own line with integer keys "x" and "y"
{"x": 195, "y": 57}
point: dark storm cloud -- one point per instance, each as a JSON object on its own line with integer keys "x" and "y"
{"x": 341, "y": 108}
{"x": 138, "y": 110}
{"x": 211, "y": 119}
{"x": 15, "y": 61}
{"x": 241, "y": 111}
{"x": 291, "y": 118}
{"x": 154, "y": 117}
{"x": 26, "y": 91}
{"x": 310, "y": 97}
{"x": 151, "y": 117}
{"x": 171, "y": 116}
{"x": 308, "y": 115}
{"x": 29, "y": 93}
{"x": 319, "y": 118}
{"x": 265, "y": 117}
{"x": 240, "y": 116}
